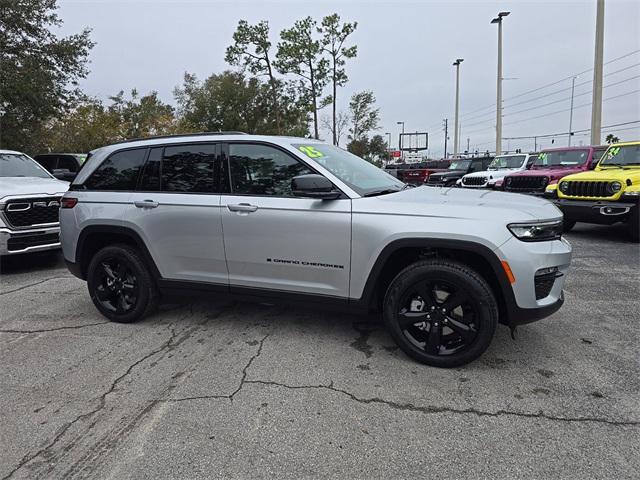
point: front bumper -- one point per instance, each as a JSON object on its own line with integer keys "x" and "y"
{"x": 596, "y": 211}
{"x": 28, "y": 240}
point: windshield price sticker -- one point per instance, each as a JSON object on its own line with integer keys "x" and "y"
{"x": 310, "y": 152}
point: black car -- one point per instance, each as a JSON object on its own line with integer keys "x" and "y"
{"x": 457, "y": 169}
{"x": 63, "y": 166}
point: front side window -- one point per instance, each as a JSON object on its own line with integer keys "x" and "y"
{"x": 460, "y": 165}
{"x": 501, "y": 162}
{"x": 118, "y": 172}
{"x": 361, "y": 176}
{"x": 19, "y": 165}
{"x": 263, "y": 170}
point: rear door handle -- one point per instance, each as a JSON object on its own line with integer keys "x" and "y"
{"x": 145, "y": 204}
{"x": 242, "y": 207}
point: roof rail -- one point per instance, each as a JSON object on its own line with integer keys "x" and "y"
{"x": 177, "y": 135}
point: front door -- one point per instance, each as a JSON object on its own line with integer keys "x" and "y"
{"x": 274, "y": 240}
{"x": 176, "y": 209}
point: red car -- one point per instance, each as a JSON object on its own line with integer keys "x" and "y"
{"x": 551, "y": 166}
{"x": 420, "y": 173}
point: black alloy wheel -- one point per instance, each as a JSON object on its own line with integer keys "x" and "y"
{"x": 441, "y": 313}
{"x": 117, "y": 288}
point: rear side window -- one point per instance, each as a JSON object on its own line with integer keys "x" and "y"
{"x": 188, "y": 168}
{"x": 68, "y": 163}
{"x": 118, "y": 172}
{"x": 263, "y": 170}
{"x": 150, "y": 179}
{"x": 47, "y": 161}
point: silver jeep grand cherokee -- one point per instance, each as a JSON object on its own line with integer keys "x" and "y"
{"x": 299, "y": 220}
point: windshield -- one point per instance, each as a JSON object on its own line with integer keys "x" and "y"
{"x": 460, "y": 165}
{"x": 621, "y": 156}
{"x": 507, "y": 162}
{"x": 570, "y": 158}
{"x": 19, "y": 165}
{"x": 362, "y": 176}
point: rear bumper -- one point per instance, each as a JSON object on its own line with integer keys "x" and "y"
{"x": 596, "y": 211}
{"x": 13, "y": 242}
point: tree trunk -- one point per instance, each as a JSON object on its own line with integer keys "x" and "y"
{"x": 274, "y": 96}
{"x": 315, "y": 103}
{"x": 335, "y": 141}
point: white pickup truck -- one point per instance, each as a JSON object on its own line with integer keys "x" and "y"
{"x": 29, "y": 205}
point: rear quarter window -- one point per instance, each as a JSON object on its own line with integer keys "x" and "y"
{"x": 118, "y": 172}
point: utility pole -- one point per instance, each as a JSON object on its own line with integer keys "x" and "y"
{"x": 468, "y": 140}
{"x": 446, "y": 133}
{"x": 456, "y": 143}
{"x": 596, "y": 101}
{"x": 573, "y": 87}
{"x": 498, "y": 20}
{"x": 388, "y": 146}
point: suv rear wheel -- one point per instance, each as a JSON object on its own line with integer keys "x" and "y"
{"x": 441, "y": 313}
{"x": 120, "y": 284}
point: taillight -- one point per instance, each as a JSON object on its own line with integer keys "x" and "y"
{"x": 68, "y": 202}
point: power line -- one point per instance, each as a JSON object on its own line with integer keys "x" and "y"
{"x": 547, "y": 135}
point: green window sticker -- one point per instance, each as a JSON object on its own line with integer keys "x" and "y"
{"x": 310, "y": 151}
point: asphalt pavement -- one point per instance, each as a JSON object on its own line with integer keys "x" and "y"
{"x": 220, "y": 389}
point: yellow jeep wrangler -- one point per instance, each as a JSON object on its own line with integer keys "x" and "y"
{"x": 606, "y": 195}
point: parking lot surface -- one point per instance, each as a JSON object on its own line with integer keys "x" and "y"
{"x": 214, "y": 388}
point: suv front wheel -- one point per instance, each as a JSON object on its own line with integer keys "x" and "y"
{"x": 441, "y": 313}
{"x": 121, "y": 285}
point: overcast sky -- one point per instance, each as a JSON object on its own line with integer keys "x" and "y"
{"x": 405, "y": 55}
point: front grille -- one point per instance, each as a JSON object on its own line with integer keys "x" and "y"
{"x": 587, "y": 189}
{"x": 526, "y": 183}
{"x": 474, "y": 180}
{"x": 544, "y": 284}
{"x": 26, "y": 240}
{"x": 435, "y": 180}
{"x": 25, "y": 212}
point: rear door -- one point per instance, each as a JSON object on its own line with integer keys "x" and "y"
{"x": 176, "y": 210}
{"x": 274, "y": 240}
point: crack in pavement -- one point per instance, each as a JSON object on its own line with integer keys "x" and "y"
{"x": 230, "y": 396}
{"x": 434, "y": 410}
{"x": 34, "y": 284}
{"x": 54, "y": 329}
{"x": 102, "y": 399}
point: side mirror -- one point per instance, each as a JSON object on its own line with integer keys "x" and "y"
{"x": 313, "y": 186}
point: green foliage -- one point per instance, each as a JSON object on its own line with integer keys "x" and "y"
{"x": 38, "y": 71}
{"x": 373, "y": 151}
{"x": 364, "y": 117}
{"x": 230, "y": 101}
{"x": 299, "y": 53}
{"x": 334, "y": 36}
{"x": 611, "y": 138}
{"x": 251, "y": 51}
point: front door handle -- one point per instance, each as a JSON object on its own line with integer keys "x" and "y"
{"x": 242, "y": 207}
{"x": 145, "y": 204}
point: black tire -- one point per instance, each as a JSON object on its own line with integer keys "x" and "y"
{"x": 120, "y": 284}
{"x": 567, "y": 225}
{"x": 462, "y": 334}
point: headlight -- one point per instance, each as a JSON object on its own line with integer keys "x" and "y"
{"x": 545, "y": 180}
{"x": 614, "y": 187}
{"x": 537, "y": 232}
{"x": 508, "y": 181}
{"x": 564, "y": 187}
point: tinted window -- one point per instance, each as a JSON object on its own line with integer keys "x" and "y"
{"x": 47, "y": 161}
{"x": 150, "y": 179}
{"x": 119, "y": 172}
{"x": 68, "y": 163}
{"x": 188, "y": 168}
{"x": 263, "y": 170}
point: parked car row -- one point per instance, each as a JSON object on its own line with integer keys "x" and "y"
{"x": 592, "y": 184}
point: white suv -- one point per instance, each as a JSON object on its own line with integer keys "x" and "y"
{"x": 500, "y": 167}
{"x": 299, "y": 220}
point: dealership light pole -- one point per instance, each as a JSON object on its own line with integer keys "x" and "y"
{"x": 400, "y": 140}
{"x": 456, "y": 134}
{"x": 388, "y": 146}
{"x": 573, "y": 87}
{"x": 498, "y": 20}
{"x": 596, "y": 99}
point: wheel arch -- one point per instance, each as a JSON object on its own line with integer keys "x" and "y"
{"x": 94, "y": 237}
{"x": 398, "y": 254}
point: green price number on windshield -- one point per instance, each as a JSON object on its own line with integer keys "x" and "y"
{"x": 311, "y": 152}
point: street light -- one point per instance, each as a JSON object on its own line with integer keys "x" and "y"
{"x": 400, "y": 139}
{"x": 498, "y": 20}
{"x": 455, "y": 136}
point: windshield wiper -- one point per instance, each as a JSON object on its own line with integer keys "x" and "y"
{"x": 381, "y": 192}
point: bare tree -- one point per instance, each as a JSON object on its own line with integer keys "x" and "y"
{"x": 342, "y": 122}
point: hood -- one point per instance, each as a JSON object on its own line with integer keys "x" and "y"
{"x": 10, "y": 186}
{"x": 554, "y": 174}
{"x": 488, "y": 205}
{"x": 493, "y": 173}
{"x": 608, "y": 174}
{"x": 448, "y": 174}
